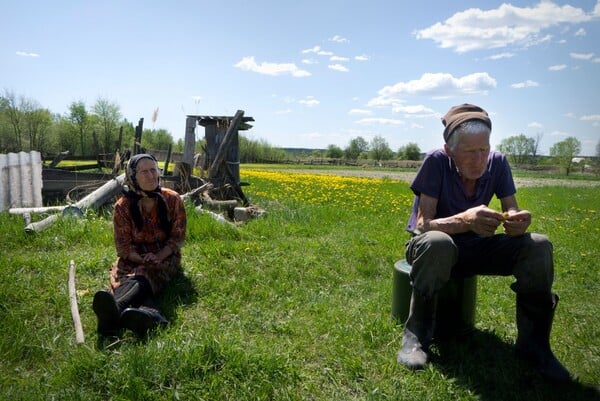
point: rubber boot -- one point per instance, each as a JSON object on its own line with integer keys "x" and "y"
{"x": 108, "y": 306}
{"x": 144, "y": 319}
{"x": 418, "y": 331}
{"x": 107, "y": 311}
{"x": 535, "y": 313}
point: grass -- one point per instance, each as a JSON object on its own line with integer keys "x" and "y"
{"x": 292, "y": 306}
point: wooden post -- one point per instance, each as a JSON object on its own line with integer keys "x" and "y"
{"x": 166, "y": 169}
{"x": 59, "y": 157}
{"x": 137, "y": 143}
{"x": 79, "y": 338}
{"x": 189, "y": 141}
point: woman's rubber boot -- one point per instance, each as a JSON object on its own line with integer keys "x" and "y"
{"x": 535, "y": 313}
{"x": 106, "y": 309}
{"x": 142, "y": 320}
{"x": 418, "y": 331}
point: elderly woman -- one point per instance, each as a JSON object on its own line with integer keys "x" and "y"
{"x": 149, "y": 229}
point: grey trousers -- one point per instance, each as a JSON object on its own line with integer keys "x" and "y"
{"x": 436, "y": 257}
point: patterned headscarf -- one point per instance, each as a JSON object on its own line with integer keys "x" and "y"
{"x": 135, "y": 193}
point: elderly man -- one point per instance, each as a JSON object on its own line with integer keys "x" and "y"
{"x": 455, "y": 236}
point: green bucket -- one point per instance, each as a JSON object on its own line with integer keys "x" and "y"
{"x": 455, "y": 314}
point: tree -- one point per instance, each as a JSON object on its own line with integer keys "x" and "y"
{"x": 156, "y": 139}
{"x": 37, "y": 123}
{"x": 380, "y": 150}
{"x": 410, "y": 151}
{"x": 14, "y": 114}
{"x": 109, "y": 115}
{"x": 78, "y": 116}
{"x": 565, "y": 151}
{"x": 518, "y": 148}
{"x": 334, "y": 152}
{"x": 357, "y": 146}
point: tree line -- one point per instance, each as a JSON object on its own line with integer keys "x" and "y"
{"x": 83, "y": 131}
{"x": 523, "y": 151}
{"x": 87, "y": 131}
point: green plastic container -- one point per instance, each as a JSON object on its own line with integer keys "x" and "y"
{"x": 456, "y": 302}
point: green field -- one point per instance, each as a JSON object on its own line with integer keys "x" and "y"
{"x": 291, "y": 306}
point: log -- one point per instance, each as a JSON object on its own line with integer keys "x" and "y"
{"x": 195, "y": 191}
{"x": 42, "y": 209}
{"x": 94, "y": 200}
{"x": 219, "y": 217}
{"x": 79, "y": 338}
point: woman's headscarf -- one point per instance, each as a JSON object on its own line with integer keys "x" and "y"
{"x": 135, "y": 193}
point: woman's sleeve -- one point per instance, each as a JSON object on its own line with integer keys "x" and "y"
{"x": 122, "y": 229}
{"x": 179, "y": 223}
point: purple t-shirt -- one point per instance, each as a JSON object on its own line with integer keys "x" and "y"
{"x": 439, "y": 179}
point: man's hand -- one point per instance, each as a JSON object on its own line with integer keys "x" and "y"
{"x": 517, "y": 222}
{"x": 483, "y": 220}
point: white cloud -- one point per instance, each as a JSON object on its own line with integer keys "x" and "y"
{"x": 596, "y": 60}
{"x": 501, "y": 56}
{"x": 535, "y": 124}
{"x": 338, "y": 58}
{"x": 526, "y": 84}
{"x": 338, "y": 67}
{"x": 414, "y": 111}
{"x": 317, "y": 50}
{"x": 249, "y": 64}
{"x": 382, "y": 121}
{"x": 360, "y": 111}
{"x": 362, "y": 57}
{"x": 569, "y": 115}
{"x": 441, "y": 85}
{"x": 286, "y": 111}
{"x": 557, "y": 67}
{"x": 476, "y": 29}
{"x": 27, "y": 54}
{"x": 591, "y": 117}
{"x": 310, "y": 101}
{"x": 580, "y": 32}
{"x": 339, "y": 39}
{"x": 582, "y": 56}
{"x": 309, "y": 61}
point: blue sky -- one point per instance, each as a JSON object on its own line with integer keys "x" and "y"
{"x": 315, "y": 73}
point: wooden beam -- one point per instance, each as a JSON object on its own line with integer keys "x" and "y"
{"x": 224, "y": 146}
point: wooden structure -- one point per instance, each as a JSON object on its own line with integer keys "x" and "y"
{"x": 222, "y": 152}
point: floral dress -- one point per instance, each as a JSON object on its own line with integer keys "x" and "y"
{"x": 150, "y": 238}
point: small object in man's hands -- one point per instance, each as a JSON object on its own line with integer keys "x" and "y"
{"x": 505, "y": 216}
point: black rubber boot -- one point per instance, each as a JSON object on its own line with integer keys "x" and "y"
{"x": 418, "y": 331}
{"x": 107, "y": 311}
{"x": 108, "y": 307}
{"x": 535, "y": 313}
{"x": 142, "y": 320}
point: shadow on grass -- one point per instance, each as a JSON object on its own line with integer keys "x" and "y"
{"x": 486, "y": 365}
{"x": 180, "y": 291}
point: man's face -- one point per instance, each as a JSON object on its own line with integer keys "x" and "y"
{"x": 470, "y": 155}
{"x": 147, "y": 174}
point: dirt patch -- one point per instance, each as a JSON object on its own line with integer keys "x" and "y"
{"x": 409, "y": 176}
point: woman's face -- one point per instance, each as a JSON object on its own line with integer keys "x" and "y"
{"x": 471, "y": 154}
{"x": 147, "y": 174}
